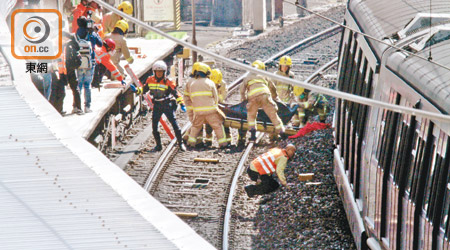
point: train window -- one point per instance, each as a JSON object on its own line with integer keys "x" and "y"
{"x": 351, "y": 122}
{"x": 390, "y": 128}
{"x": 345, "y": 83}
{"x": 445, "y": 188}
{"x": 412, "y": 160}
{"x": 415, "y": 167}
{"x": 346, "y": 119}
{"x": 432, "y": 183}
{"x": 344, "y": 65}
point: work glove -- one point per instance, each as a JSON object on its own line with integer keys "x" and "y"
{"x": 124, "y": 83}
{"x": 133, "y": 88}
{"x": 183, "y": 108}
{"x": 130, "y": 60}
{"x": 139, "y": 91}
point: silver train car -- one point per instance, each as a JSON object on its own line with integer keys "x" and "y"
{"x": 392, "y": 169}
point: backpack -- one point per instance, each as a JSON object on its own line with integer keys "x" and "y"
{"x": 73, "y": 57}
{"x": 85, "y": 52}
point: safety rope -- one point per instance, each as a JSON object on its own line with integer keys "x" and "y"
{"x": 322, "y": 90}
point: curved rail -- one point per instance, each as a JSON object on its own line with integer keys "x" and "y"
{"x": 240, "y": 167}
{"x": 307, "y": 42}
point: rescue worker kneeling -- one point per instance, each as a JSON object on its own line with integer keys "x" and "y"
{"x": 203, "y": 95}
{"x": 165, "y": 98}
{"x": 260, "y": 93}
{"x": 316, "y": 104}
{"x": 264, "y": 166}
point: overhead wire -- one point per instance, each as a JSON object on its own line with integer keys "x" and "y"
{"x": 319, "y": 89}
{"x": 368, "y": 36}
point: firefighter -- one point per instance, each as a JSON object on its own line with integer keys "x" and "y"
{"x": 165, "y": 98}
{"x": 103, "y": 59}
{"x": 110, "y": 19}
{"x": 301, "y": 96}
{"x": 284, "y": 90}
{"x": 118, "y": 35}
{"x": 203, "y": 95}
{"x": 188, "y": 102}
{"x": 260, "y": 93}
{"x": 262, "y": 168}
{"x": 316, "y": 104}
{"x": 216, "y": 76}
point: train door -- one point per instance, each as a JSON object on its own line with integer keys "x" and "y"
{"x": 434, "y": 192}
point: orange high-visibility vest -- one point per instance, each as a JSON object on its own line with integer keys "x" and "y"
{"x": 103, "y": 57}
{"x": 265, "y": 163}
{"x": 62, "y": 63}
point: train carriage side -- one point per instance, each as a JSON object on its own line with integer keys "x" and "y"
{"x": 392, "y": 169}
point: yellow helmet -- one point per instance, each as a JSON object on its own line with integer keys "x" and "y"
{"x": 195, "y": 67}
{"x": 259, "y": 65}
{"x": 216, "y": 76}
{"x": 123, "y": 25}
{"x": 298, "y": 91}
{"x": 126, "y": 7}
{"x": 204, "y": 68}
{"x": 285, "y": 60}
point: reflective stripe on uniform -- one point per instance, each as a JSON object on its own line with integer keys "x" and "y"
{"x": 222, "y": 140}
{"x": 265, "y": 163}
{"x": 204, "y": 108}
{"x": 157, "y": 86}
{"x": 256, "y": 81}
{"x": 259, "y": 89}
{"x": 192, "y": 139}
{"x": 189, "y": 108}
{"x": 115, "y": 72}
{"x": 283, "y": 87}
{"x": 201, "y": 93}
{"x": 251, "y": 123}
{"x": 186, "y": 93}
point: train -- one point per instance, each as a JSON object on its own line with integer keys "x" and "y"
{"x": 392, "y": 169}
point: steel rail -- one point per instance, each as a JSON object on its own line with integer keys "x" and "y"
{"x": 151, "y": 179}
{"x": 240, "y": 167}
{"x": 335, "y": 93}
{"x": 232, "y": 191}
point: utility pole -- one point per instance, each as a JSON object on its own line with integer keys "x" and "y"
{"x": 194, "y": 41}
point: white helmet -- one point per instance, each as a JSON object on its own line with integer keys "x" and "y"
{"x": 159, "y": 65}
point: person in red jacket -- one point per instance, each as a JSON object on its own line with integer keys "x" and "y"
{"x": 79, "y": 11}
{"x": 103, "y": 59}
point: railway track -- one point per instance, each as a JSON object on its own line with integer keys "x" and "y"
{"x": 205, "y": 191}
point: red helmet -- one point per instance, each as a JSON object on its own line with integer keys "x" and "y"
{"x": 110, "y": 44}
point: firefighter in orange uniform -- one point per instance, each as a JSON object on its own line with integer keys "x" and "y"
{"x": 260, "y": 93}
{"x": 103, "y": 59}
{"x": 203, "y": 95}
{"x": 262, "y": 168}
{"x": 165, "y": 98}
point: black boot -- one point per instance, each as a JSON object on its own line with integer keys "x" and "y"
{"x": 249, "y": 190}
{"x": 252, "y": 134}
{"x": 158, "y": 141}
